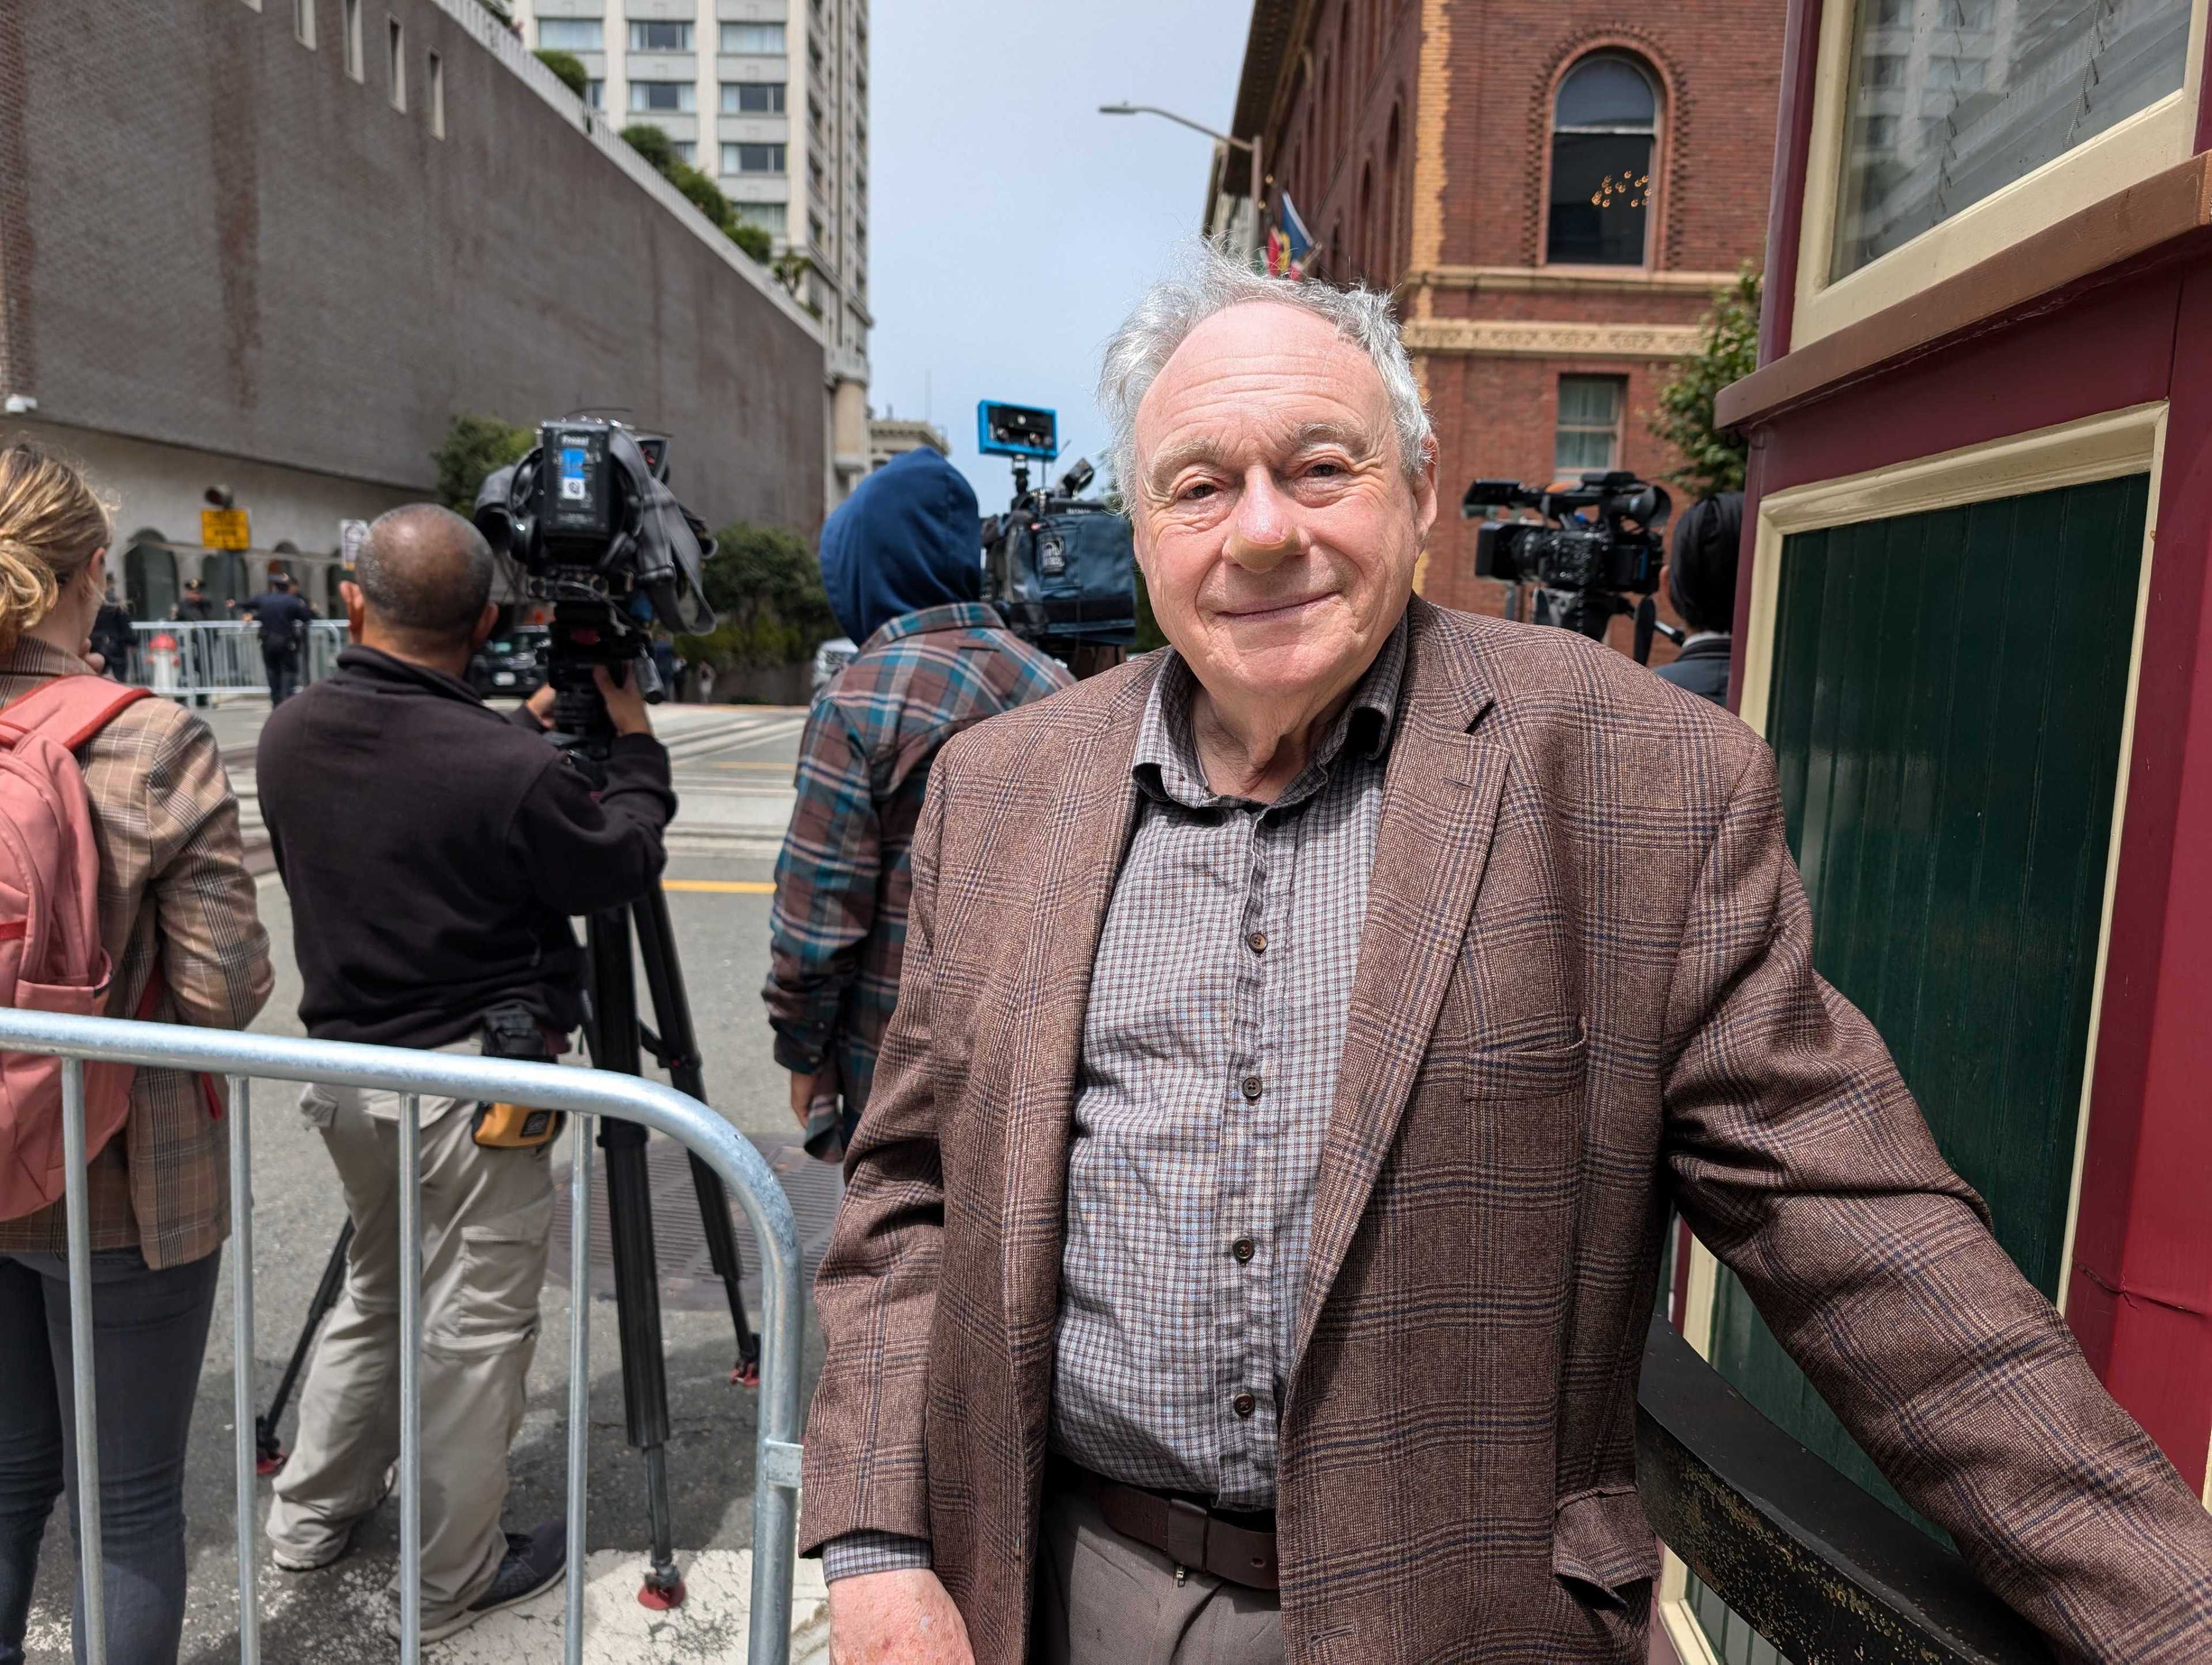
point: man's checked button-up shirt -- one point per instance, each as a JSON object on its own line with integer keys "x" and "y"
{"x": 1211, "y": 1046}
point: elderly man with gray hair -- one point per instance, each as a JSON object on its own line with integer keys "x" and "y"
{"x": 434, "y": 852}
{"x": 1247, "y": 1248}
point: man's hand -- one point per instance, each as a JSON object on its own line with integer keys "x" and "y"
{"x": 625, "y": 705}
{"x": 805, "y": 1090}
{"x": 540, "y": 705}
{"x": 902, "y": 1618}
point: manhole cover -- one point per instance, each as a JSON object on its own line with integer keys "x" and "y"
{"x": 687, "y": 1275}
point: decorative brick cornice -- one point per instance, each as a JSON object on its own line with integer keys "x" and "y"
{"x": 1525, "y": 338}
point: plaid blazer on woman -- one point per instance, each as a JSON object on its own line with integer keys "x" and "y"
{"x": 174, "y": 892}
{"x": 1585, "y": 991}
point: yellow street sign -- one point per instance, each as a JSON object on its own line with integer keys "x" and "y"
{"x": 224, "y": 529}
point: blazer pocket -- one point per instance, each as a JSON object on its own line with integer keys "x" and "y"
{"x": 1542, "y": 1067}
{"x": 1601, "y": 1546}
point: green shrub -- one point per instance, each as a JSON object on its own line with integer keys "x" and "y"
{"x": 765, "y": 586}
{"x": 657, "y": 148}
{"x": 570, "y": 68}
{"x": 474, "y": 446}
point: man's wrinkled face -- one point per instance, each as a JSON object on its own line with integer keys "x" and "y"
{"x": 1274, "y": 521}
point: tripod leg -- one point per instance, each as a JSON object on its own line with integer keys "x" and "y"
{"x": 637, "y": 1276}
{"x": 270, "y": 1451}
{"x": 672, "y": 1015}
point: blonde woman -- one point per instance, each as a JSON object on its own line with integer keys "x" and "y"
{"x": 175, "y": 899}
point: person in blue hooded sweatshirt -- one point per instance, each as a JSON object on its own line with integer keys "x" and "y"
{"x": 903, "y": 561}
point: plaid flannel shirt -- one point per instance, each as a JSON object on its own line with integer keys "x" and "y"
{"x": 842, "y": 880}
{"x": 173, "y": 891}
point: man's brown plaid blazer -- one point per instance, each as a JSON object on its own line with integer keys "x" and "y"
{"x": 1585, "y": 990}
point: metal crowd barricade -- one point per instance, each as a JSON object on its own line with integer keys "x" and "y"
{"x": 193, "y": 659}
{"x": 581, "y": 1092}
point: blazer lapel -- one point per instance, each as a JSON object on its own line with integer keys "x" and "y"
{"x": 1084, "y": 835}
{"x": 1439, "y": 809}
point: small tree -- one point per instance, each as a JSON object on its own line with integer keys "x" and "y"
{"x": 1712, "y": 458}
{"x": 570, "y": 68}
{"x": 474, "y": 446}
{"x": 765, "y": 586}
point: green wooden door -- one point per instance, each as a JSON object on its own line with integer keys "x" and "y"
{"x": 1946, "y": 713}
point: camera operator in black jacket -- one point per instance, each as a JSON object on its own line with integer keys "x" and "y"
{"x": 434, "y": 852}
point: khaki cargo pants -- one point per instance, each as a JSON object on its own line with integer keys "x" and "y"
{"x": 485, "y": 1218}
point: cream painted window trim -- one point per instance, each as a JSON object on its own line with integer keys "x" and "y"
{"x": 2151, "y": 140}
{"x": 2100, "y": 447}
{"x": 2131, "y": 440}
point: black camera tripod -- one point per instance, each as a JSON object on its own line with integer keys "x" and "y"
{"x": 616, "y": 1034}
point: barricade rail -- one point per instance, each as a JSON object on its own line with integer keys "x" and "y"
{"x": 1818, "y": 1566}
{"x": 190, "y": 659}
{"x": 581, "y": 1092}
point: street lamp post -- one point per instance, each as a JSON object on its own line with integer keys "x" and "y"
{"x": 1251, "y": 146}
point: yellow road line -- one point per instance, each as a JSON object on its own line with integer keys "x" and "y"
{"x": 727, "y": 887}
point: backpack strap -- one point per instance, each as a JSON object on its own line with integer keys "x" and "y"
{"x": 71, "y": 709}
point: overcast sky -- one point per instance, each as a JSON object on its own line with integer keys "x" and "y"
{"x": 1010, "y": 225}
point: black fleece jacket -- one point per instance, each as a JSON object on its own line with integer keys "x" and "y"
{"x": 435, "y": 850}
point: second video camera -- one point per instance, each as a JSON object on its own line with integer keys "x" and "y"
{"x": 1597, "y": 543}
{"x": 588, "y": 516}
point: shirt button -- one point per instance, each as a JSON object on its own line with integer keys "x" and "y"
{"x": 1252, "y": 1086}
{"x": 1257, "y": 942}
{"x": 1242, "y": 1248}
{"x": 1243, "y": 1405}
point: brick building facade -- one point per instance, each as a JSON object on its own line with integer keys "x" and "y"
{"x": 278, "y": 246}
{"x": 1553, "y": 188}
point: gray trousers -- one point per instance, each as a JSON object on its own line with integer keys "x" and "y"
{"x": 1102, "y": 1599}
{"x": 486, "y": 1215}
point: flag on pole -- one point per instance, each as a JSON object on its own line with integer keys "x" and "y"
{"x": 1298, "y": 239}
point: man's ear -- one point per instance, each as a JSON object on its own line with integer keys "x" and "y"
{"x": 487, "y": 621}
{"x": 1424, "y": 498}
{"x": 356, "y": 608}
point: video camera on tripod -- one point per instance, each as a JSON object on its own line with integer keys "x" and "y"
{"x": 1598, "y": 543}
{"x": 1060, "y": 567}
{"x": 588, "y": 516}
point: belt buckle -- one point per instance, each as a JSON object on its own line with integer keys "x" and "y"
{"x": 1186, "y": 1534}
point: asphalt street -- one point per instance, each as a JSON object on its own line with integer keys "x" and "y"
{"x": 733, "y": 767}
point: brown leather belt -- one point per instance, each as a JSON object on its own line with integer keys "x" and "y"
{"x": 1229, "y": 1547}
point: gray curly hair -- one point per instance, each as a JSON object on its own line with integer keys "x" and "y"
{"x": 1210, "y": 283}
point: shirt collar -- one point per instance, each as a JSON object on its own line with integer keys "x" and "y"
{"x": 376, "y": 667}
{"x": 1166, "y": 763}
{"x": 954, "y": 616}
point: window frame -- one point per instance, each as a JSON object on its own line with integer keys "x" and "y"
{"x": 546, "y": 46}
{"x": 1618, "y": 433}
{"x": 349, "y": 28}
{"x": 2153, "y": 139}
{"x": 730, "y": 104}
{"x": 741, "y": 146}
{"x": 434, "y": 91}
{"x": 632, "y": 106}
{"x": 1635, "y": 54}
{"x": 395, "y": 61}
{"x": 303, "y": 23}
{"x": 639, "y": 25}
{"x": 723, "y": 25}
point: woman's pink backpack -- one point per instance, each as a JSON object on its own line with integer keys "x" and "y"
{"x": 50, "y": 958}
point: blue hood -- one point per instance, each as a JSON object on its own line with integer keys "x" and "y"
{"x": 909, "y": 537}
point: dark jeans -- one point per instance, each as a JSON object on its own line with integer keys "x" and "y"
{"x": 150, "y": 1330}
{"x": 284, "y": 669}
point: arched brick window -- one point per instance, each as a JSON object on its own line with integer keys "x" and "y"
{"x": 1604, "y": 133}
{"x": 1348, "y": 81}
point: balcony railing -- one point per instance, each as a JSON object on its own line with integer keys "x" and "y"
{"x": 1817, "y": 1566}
